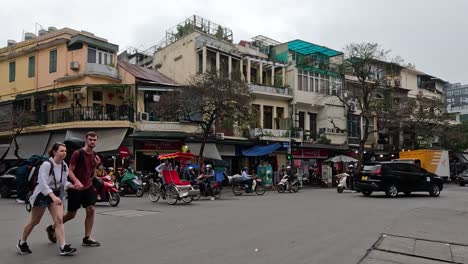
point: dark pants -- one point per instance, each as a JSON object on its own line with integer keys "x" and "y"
{"x": 249, "y": 184}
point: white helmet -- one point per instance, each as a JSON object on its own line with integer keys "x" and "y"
{"x": 190, "y": 168}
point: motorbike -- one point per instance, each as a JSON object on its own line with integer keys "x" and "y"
{"x": 284, "y": 185}
{"x": 213, "y": 191}
{"x": 131, "y": 184}
{"x": 342, "y": 182}
{"x": 239, "y": 187}
{"x": 109, "y": 192}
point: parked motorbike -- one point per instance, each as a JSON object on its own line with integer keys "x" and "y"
{"x": 284, "y": 185}
{"x": 109, "y": 192}
{"x": 342, "y": 182}
{"x": 239, "y": 187}
{"x": 131, "y": 184}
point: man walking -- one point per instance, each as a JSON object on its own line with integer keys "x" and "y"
{"x": 81, "y": 169}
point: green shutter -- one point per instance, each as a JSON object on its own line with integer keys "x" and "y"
{"x": 53, "y": 61}
{"x": 32, "y": 67}
{"x": 12, "y": 71}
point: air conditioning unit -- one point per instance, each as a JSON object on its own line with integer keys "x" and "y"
{"x": 143, "y": 116}
{"x": 220, "y": 136}
{"x": 74, "y": 65}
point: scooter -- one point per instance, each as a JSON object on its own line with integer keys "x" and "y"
{"x": 342, "y": 179}
{"x": 109, "y": 193}
{"x": 130, "y": 184}
{"x": 283, "y": 185}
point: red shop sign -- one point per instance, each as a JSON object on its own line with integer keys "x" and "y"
{"x": 311, "y": 154}
{"x": 161, "y": 145}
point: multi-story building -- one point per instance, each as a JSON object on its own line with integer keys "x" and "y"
{"x": 61, "y": 84}
{"x": 457, "y": 100}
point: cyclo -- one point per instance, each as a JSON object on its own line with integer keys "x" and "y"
{"x": 169, "y": 186}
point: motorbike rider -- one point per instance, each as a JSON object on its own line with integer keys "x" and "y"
{"x": 351, "y": 178}
{"x": 98, "y": 183}
{"x": 191, "y": 175}
{"x": 163, "y": 167}
{"x": 206, "y": 178}
{"x": 290, "y": 174}
{"x": 246, "y": 179}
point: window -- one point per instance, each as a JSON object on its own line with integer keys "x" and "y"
{"x": 12, "y": 71}
{"x": 97, "y": 96}
{"x": 91, "y": 55}
{"x": 313, "y": 126}
{"x": 302, "y": 120}
{"x": 354, "y": 126}
{"x": 53, "y": 61}
{"x": 32, "y": 66}
{"x": 100, "y": 56}
{"x": 267, "y": 117}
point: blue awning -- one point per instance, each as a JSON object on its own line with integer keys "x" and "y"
{"x": 261, "y": 150}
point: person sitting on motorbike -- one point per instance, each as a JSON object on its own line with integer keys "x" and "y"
{"x": 99, "y": 172}
{"x": 246, "y": 179}
{"x": 191, "y": 175}
{"x": 291, "y": 176}
{"x": 205, "y": 180}
{"x": 350, "y": 179}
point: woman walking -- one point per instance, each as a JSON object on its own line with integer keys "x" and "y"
{"x": 49, "y": 193}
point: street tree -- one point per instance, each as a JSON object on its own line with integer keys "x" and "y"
{"x": 210, "y": 100}
{"x": 16, "y": 122}
{"x": 367, "y": 94}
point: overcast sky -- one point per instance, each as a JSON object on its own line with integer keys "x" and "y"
{"x": 433, "y": 34}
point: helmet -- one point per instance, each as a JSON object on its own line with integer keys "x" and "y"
{"x": 190, "y": 168}
{"x": 288, "y": 167}
{"x": 351, "y": 166}
{"x": 208, "y": 166}
{"x": 245, "y": 168}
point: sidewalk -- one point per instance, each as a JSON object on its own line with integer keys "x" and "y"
{"x": 423, "y": 235}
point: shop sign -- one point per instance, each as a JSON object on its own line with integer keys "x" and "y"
{"x": 310, "y": 154}
{"x": 162, "y": 145}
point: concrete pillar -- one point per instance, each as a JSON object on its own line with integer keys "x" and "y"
{"x": 204, "y": 55}
{"x": 241, "y": 63}
{"x": 260, "y": 75}
{"x": 274, "y": 118}
{"x": 229, "y": 66}
{"x": 218, "y": 60}
{"x": 272, "y": 74}
{"x": 284, "y": 76}
{"x": 248, "y": 71}
{"x": 261, "y": 116}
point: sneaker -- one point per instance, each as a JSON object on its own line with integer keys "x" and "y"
{"x": 89, "y": 242}
{"x": 67, "y": 250}
{"x": 23, "y": 248}
{"x": 51, "y": 234}
{"x": 18, "y": 200}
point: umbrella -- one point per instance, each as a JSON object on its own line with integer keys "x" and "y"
{"x": 342, "y": 158}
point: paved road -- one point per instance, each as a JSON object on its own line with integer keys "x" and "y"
{"x": 313, "y": 226}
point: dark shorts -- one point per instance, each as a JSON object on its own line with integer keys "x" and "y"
{"x": 82, "y": 198}
{"x": 42, "y": 201}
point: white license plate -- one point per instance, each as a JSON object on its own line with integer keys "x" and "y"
{"x": 364, "y": 178}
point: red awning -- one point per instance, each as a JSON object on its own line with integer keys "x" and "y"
{"x": 177, "y": 155}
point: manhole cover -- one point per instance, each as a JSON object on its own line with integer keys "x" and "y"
{"x": 408, "y": 250}
{"x": 129, "y": 213}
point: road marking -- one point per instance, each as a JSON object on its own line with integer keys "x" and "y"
{"x": 129, "y": 213}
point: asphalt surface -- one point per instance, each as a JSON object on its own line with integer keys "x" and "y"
{"x": 312, "y": 226}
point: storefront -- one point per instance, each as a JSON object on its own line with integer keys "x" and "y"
{"x": 147, "y": 152}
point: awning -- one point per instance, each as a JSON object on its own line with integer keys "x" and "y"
{"x": 108, "y": 139}
{"x": 29, "y": 144}
{"x": 57, "y": 136}
{"x": 177, "y": 156}
{"x": 155, "y": 88}
{"x": 210, "y": 151}
{"x": 261, "y": 150}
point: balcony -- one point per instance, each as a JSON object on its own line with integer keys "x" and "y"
{"x": 101, "y": 69}
{"x": 275, "y": 134}
{"x": 91, "y": 113}
{"x": 270, "y": 91}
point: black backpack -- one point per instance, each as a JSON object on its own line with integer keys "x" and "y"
{"x": 33, "y": 178}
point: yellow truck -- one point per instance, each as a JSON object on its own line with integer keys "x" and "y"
{"x": 435, "y": 161}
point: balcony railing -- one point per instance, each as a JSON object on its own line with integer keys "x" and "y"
{"x": 269, "y": 89}
{"x": 101, "y": 69}
{"x": 254, "y": 132}
{"x": 90, "y": 113}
